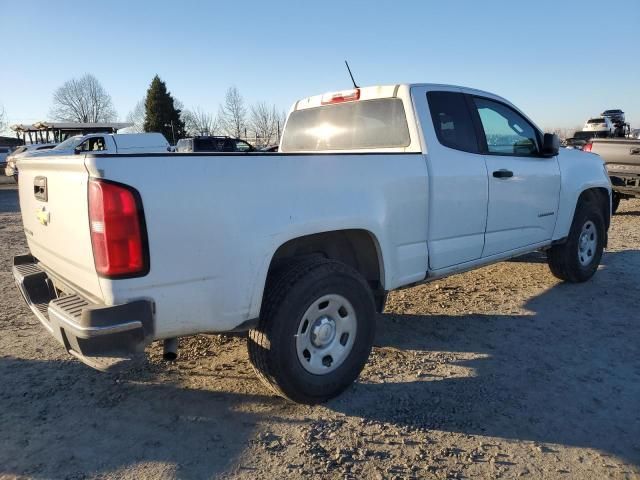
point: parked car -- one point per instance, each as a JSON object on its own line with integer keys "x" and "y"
{"x": 4, "y": 153}
{"x": 622, "y": 159}
{"x": 110, "y": 142}
{"x": 599, "y": 124}
{"x": 213, "y": 144}
{"x": 11, "y": 168}
{"x": 616, "y": 115}
{"x": 300, "y": 247}
{"x": 270, "y": 148}
{"x": 575, "y": 143}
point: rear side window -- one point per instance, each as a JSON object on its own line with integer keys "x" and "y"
{"x": 452, "y": 121}
{"x": 379, "y": 123}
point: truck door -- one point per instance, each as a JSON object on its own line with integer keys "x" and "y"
{"x": 458, "y": 189}
{"x": 524, "y": 187}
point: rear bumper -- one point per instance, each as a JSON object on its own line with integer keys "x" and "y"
{"x": 101, "y": 336}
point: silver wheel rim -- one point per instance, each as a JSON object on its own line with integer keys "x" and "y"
{"x": 587, "y": 243}
{"x": 326, "y": 334}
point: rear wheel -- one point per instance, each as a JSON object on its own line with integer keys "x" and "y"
{"x": 315, "y": 330}
{"x": 578, "y": 258}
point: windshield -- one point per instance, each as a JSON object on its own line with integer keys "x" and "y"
{"x": 596, "y": 120}
{"x": 369, "y": 124}
{"x": 69, "y": 143}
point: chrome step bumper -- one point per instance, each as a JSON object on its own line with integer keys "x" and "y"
{"x": 99, "y": 335}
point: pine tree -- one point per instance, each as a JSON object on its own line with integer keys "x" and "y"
{"x": 161, "y": 112}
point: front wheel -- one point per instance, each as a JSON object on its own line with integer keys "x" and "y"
{"x": 578, "y": 258}
{"x": 315, "y": 330}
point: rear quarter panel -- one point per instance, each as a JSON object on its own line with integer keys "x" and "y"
{"x": 215, "y": 226}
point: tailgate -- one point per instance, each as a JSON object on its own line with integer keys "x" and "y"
{"x": 620, "y": 156}
{"x": 54, "y": 205}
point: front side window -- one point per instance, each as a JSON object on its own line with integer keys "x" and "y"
{"x": 242, "y": 146}
{"x": 506, "y": 131}
{"x": 93, "y": 144}
{"x": 452, "y": 121}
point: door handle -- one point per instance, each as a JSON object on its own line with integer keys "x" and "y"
{"x": 503, "y": 173}
{"x": 634, "y": 151}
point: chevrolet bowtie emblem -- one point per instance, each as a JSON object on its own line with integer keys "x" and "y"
{"x": 43, "y": 216}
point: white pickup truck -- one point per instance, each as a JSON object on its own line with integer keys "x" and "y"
{"x": 374, "y": 189}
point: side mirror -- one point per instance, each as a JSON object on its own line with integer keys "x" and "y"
{"x": 550, "y": 145}
{"x": 77, "y": 151}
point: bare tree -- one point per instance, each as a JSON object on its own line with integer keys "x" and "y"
{"x": 233, "y": 114}
{"x": 136, "y": 116}
{"x": 82, "y": 100}
{"x": 263, "y": 123}
{"x": 200, "y": 122}
{"x": 3, "y": 119}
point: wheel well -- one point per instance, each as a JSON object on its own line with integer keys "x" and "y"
{"x": 599, "y": 196}
{"x": 356, "y": 248}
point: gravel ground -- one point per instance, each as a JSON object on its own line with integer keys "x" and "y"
{"x": 498, "y": 373}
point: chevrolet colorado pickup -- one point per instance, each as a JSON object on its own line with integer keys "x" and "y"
{"x": 373, "y": 189}
{"x": 622, "y": 158}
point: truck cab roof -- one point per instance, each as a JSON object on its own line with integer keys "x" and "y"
{"x": 381, "y": 91}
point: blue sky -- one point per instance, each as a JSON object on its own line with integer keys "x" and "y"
{"x": 560, "y": 61}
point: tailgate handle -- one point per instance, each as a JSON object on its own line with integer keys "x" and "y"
{"x": 40, "y": 188}
{"x": 635, "y": 151}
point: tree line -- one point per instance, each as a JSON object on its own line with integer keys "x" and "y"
{"x": 85, "y": 100}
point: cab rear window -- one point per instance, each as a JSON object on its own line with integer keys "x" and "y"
{"x": 367, "y": 124}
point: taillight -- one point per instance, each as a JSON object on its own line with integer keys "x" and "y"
{"x": 587, "y": 147}
{"x": 118, "y": 232}
{"x": 343, "y": 96}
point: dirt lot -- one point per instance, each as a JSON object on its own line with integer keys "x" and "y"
{"x": 503, "y": 372}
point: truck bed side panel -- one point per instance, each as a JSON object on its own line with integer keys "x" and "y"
{"x": 214, "y": 222}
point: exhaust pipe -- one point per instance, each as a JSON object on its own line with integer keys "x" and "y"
{"x": 170, "y": 350}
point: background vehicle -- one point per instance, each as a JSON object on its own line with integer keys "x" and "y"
{"x": 11, "y": 169}
{"x": 116, "y": 143}
{"x": 586, "y": 136}
{"x": 213, "y": 144}
{"x": 616, "y": 115}
{"x": 599, "y": 124}
{"x": 575, "y": 143}
{"x": 4, "y": 153}
{"x": 622, "y": 158}
{"x": 373, "y": 189}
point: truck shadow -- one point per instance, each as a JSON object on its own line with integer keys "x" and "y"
{"x": 568, "y": 373}
{"x": 62, "y": 420}
{"x": 628, "y": 213}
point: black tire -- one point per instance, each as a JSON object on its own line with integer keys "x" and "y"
{"x": 272, "y": 344}
{"x": 615, "y": 202}
{"x": 564, "y": 259}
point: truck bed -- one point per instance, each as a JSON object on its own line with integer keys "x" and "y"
{"x": 622, "y": 158}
